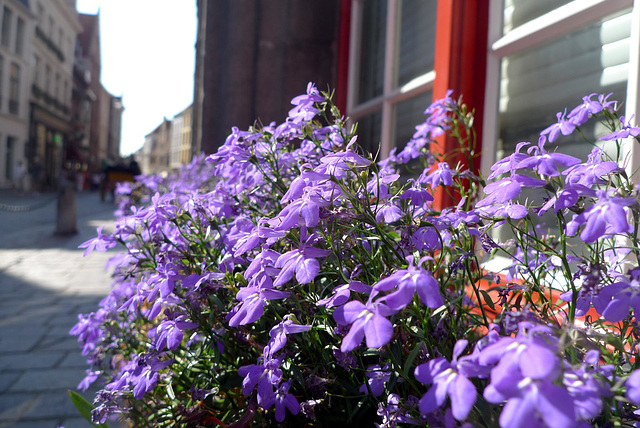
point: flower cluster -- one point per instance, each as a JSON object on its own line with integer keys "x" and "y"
{"x": 293, "y": 277}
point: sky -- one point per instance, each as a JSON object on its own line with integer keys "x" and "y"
{"x": 148, "y": 58}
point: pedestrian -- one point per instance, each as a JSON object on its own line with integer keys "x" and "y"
{"x": 19, "y": 177}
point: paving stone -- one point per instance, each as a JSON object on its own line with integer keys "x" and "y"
{"x": 8, "y": 379}
{"x": 31, "y": 360}
{"x": 13, "y": 406}
{"x": 47, "y": 380}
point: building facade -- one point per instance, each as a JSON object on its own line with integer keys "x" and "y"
{"x": 181, "y": 139}
{"x": 256, "y": 55}
{"x": 16, "y": 41}
{"x": 516, "y": 62}
{"x": 56, "y": 30}
{"x": 155, "y": 155}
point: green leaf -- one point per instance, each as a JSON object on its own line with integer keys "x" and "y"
{"x": 84, "y": 407}
{"x": 412, "y": 356}
{"x": 487, "y": 300}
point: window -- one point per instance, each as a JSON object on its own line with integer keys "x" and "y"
{"x": 14, "y": 88}
{"x": 391, "y": 69}
{"x": 545, "y": 56}
{"x": 7, "y": 15}
{"x": 47, "y": 79}
{"x": 20, "y": 36}
{"x": 36, "y": 70}
{"x": 56, "y": 89}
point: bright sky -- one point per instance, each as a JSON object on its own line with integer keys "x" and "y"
{"x": 148, "y": 57}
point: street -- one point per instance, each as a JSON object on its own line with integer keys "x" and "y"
{"x": 44, "y": 283}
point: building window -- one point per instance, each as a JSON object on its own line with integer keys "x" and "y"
{"x": 545, "y": 58}
{"x": 47, "y": 79}
{"x": 391, "y": 69}
{"x": 20, "y": 36}
{"x": 36, "y": 70}
{"x": 14, "y": 89}
{"x": 7, "y": 15}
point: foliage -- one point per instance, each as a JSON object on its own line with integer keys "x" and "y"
{"x": 290, "y": 278}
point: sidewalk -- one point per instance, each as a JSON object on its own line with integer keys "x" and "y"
{"x": 44, "y": 283}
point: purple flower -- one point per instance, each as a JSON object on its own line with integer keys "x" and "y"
{"x": 285, "y": 400}
{"x": 279, "y": 333}
{"x": 607, "y": 216}
{"x": 169, "y": 332}
{"x": 563, "y": 126}
{"x": 508, "y": 188}
{"x": 366, "y": 321}
{"x": 581, "y": 113}
{"x": 447, "y": 381}
{"x": 301, "y": 262}
{"x": 426, "y": 238}
{"x": 378, "y": 376}
{"x": 441, "y": 175}
{"x": 264, "y": 375}
{"x": 406, "y": 282}
{"x": 251, "y": 306}
{"x": 341, "y": 294}
{"x": 545, "y": 163}
{"x": 101, "y": 243}
{"x": 626, "y": 131}
{"x": 590, "y": 173}
{"x": 633, "y": 387}
{"x": 389, "y": 213}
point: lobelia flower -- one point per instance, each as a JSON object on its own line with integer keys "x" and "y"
{"x": 169, "y": 332}
{"x": 279, "y": 333}
{"x": 591, "y": 172}
{"x": 285, "y": 400}
{"x": 633, "y": 387}
{"x": 341, "y": 294}
{"x": 580, "y": 114}
{"x": 563, "y": 126}
{"x": 406, "y": 282}
{"x": 545, "y": 163}
{"x": 626, "y": 131}
{"x": 447, "y": 380}
{"x": 624, "y": 295}
{"x": 264, "y": 375}
{"x": 101, "y": 243}
{"x": 377, "y": 377}
{"x": 426, "y": 238}
{"x": 388, "y": 213}
{"x": 606, "y": 216}
{"x": 367, "y": 321}
{"x": 251, "y": 306}
{"x": 441, "y": 175}
{"x": 302, "y": 262}
{"x": 508, "y": 188}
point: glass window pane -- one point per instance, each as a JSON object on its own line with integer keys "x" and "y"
{"x": 370, "y": 132}
{"x": 547, "y": 79}
{"x": 407, "y": 115}
{"x": 518, "y": 12}
{"x": 373, "y": 39}
{"x": 417, "y": 35}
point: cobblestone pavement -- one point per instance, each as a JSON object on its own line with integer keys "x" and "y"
{"x": 44, "y": 283}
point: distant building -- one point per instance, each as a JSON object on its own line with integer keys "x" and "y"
{"x": 17, "y": 24}
{"x": 115, "y": 129}
{"x": 56, "y": 29}
{"x": 156, "y": 152}
{"x": 181, "y": 138}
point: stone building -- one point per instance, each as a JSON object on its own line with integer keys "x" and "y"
{"x": 16, "y": 40}
{"x": 253, "y": 56}
{"x": 56, "y": 30}
{"x": 155, "y": 155}
{"x": 181, "y": 138}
